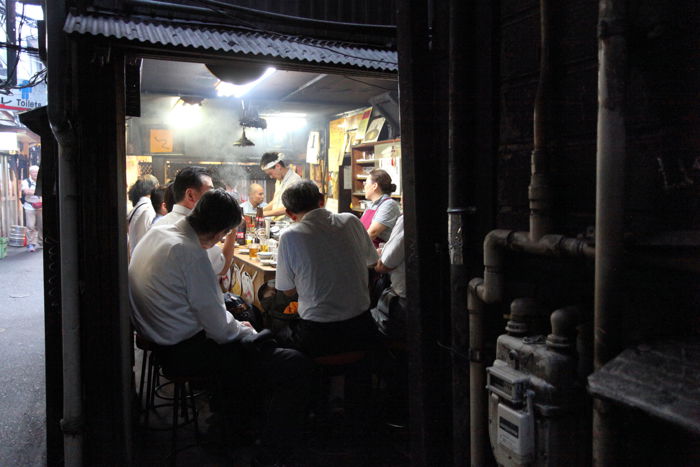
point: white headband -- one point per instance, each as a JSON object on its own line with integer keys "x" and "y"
{"x": 271, "y": 164}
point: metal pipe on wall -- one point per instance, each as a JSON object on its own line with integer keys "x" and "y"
{"x": 610, "y": 193}
{"x": 539, "y": 191}
{"x": 490, "y": 290}
{"x": 72, "y": 422}
{"x": 478, "y": 413}
{"x": 460, "y": 209}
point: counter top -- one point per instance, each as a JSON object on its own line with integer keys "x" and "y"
{"x": 253, "y": 262}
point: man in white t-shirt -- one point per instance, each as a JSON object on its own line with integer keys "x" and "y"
{"x": 324, "y": 257}
{"x": 274, "y": 166}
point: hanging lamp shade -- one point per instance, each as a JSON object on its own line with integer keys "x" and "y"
{"x": 243, "y": 140}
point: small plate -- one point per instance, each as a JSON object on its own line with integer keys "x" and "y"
{"x": 243, "y": 250}
{"x": 268, "y": 262}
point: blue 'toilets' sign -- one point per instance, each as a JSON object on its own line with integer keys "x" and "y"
{"x": 24, "y": 99}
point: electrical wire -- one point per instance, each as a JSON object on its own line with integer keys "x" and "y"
{"x": 37, "y": 77}
{"x": 367, "y": 84}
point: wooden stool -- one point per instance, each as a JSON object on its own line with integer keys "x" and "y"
{"x": 348, "y": 364}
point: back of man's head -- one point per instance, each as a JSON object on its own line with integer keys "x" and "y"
{"x": 189, "y": 177}
{"x": 143, "y": 186}
{"x": 215, "y": 211}
{"x": 303, "y": 196}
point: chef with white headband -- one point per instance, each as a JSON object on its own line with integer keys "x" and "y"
{"x": 272, "y": 163}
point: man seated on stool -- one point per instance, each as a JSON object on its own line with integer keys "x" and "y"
{"x": 256, "y": 199}
{"x": 324, "y": 257}
{"x": 176, "y": 303}
{"x": 189, "y": 185}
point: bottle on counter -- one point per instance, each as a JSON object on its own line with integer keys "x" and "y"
{"x": 240, "y": 233}
{"x": 259, "y": 224}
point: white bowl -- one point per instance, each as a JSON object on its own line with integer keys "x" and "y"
{"x": 264, "y": 255}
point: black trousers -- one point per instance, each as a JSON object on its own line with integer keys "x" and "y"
{"x": 315, "y": 339}
{"x": 259, "y": 375}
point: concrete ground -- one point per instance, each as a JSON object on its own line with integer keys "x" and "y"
{"x": 22, "y": 392}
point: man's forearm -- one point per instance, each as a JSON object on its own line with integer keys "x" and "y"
{"x": 273, "y": 212}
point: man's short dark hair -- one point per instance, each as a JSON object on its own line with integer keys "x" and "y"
{"x": 302, "y": 196}
{"x": 189, "y": 177}
{"x": 269, "y": 157}
{"x": 142, "y": 187}
{"x": 215, "y": 211}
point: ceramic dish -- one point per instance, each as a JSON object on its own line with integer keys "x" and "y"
{"x": 268, "y": 262}
{"x": 243, "y": 250}
{"x": 264, "y": 255}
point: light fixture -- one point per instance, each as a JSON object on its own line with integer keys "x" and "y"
{"x": 285, "y": 121}
{"x": 243, "y": 140}
{"x": 227, "y": 89}
{"x": 186, "y": 112}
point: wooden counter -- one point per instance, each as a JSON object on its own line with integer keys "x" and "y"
{"x": 258, "y": 272}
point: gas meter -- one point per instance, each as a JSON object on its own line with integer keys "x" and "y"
{"x": 536, "y": 403}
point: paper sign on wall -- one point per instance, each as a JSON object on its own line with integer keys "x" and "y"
{"x": 313, "y": 146}
{"x": 161, "y": 141}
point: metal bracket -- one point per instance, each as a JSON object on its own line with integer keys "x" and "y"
{"x": 476, "y": 355}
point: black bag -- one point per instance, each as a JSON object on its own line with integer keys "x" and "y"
{"x": 241, "y": 311}
{"x": 378, "y": 282}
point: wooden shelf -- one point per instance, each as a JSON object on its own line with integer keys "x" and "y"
{"x": 359, "y": 163}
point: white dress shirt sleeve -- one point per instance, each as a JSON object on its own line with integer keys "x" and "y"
{"x": 207, "y": 303}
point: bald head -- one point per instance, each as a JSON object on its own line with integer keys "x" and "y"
{"x": 256, "y": 194}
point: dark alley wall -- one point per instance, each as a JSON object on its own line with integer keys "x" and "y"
{"x": 663, "y": 180}
{"x": 662, "y": 207}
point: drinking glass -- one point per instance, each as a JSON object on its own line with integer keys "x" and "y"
{"x": 253, "y": 250}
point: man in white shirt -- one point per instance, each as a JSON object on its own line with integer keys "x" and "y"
{"x": 176, "y": 303}
{"x": 390, "y": 310}
{"x": 324, "y": 257}
{"x": 189, "y": 185}
{"x": 256, "y": 199}
{"x": 274, "y": 166}
{"x": 141, "y": 216}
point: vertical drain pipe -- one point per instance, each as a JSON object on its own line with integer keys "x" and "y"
{"x": 72, "y": 422}
{"x": 610, "y": 193}
{"x": 539, "y": 191}
{"x": 460, "y": 182}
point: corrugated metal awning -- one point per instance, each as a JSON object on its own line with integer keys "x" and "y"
{"x": 239, "y": 42}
